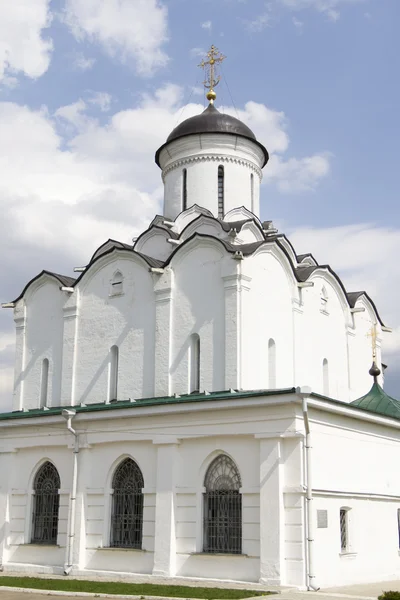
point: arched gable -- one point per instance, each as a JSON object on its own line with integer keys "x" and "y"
{"x": 154, "y": 242}
{"x": 104, "y": 260}
{"x": 240, "y": 214}
{"x": 185, "y": 217}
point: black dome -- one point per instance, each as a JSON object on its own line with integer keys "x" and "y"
{"x": 212, "y": 121}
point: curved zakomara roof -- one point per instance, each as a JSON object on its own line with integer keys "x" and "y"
{"x": 301, "y": 274}
{"x": 63, "y": 279}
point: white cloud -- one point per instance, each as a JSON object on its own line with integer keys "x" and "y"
{"x": 331, "y": 8}
{"x": 128, "y": 30}
{"x": 81, "y": 63}
{"x": 298, "y": 24}
{"x": 207, "y": 25}
{"x": 298, "y": 175}
{"x": 197, "y": 52}
{"x": 22, "y": 46}
{"x": 85, "y": 181}
{"x": 102, "y": 100}
{"x": 260, "y": 22}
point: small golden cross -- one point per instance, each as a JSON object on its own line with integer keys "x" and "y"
{"x": 215, "y": 58}
{"x": 373, "y": 334}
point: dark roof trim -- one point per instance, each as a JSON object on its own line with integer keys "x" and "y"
{"x": 63, "y": 279}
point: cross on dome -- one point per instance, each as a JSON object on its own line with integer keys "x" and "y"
{"x": 215, "y": 58}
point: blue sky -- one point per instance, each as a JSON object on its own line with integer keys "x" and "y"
{"x": 90, "y": 88}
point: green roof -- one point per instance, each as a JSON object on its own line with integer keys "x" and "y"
{"x": 119, "y": 404}
{"x": 378, "y": 401}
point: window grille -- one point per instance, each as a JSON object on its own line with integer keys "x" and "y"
{"x": 344, "y": 530}
{"x": 113, "y": 376}
{"x": 194, "y": 364}
{"x": 184, "y": 189}
{"x": 127, "y": 506}
{"x": 45, "y": 505}
{"x": 221, "y": 192}
{"x": 44, "y": 382}
{"x": 222, "y": 508}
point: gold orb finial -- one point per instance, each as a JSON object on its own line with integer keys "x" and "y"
{"x": 215, "y": 58}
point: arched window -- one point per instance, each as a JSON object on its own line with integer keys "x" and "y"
{"x": 194, "y": 363}
{"x": 127, "y": 506}
{"x": 222, "y": 507}
{"x": 113, "y": 375}
{"x": 221, "y": 192}
{"x": 44, "y": 382}
{"x": 117, "y": 284}
{"x": 252, "y": 191}
{"x": 184, "y": 189}
{"x": 271, "y": 364}
{"x": 46, "y": 502}
{"x": 325, "y": 377}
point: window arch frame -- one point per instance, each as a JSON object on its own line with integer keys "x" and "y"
{"x": 44, "y": 383}
{"x": 117, "y": 284}
{"x": 113, "y": 373}
{"x": 222, "y": 507}
{"x": 325, "y": 377}
{"x": 119, "y": 535}
{"x": 194, "y": 363}
{"x": 45, "y": 506}
{"x": 271, "y": 364}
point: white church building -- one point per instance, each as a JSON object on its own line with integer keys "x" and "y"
{"x": 199, "y": 404}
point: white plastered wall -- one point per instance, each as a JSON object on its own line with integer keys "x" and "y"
{"x": 43, "y": 340}
{"x": 126, "y": 320}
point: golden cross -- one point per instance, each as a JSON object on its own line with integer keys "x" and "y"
{"x": 373, "y": 334}
{"x": 215, "y": 58}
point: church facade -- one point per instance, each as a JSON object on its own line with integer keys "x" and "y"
{"x": 199, "y": 404}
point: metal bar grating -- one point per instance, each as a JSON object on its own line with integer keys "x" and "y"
{"x": 127, "y": 506}
{"x": 343, "y": 530}
{"x": 46, "y": 505}
{"x": 222, "y": 508}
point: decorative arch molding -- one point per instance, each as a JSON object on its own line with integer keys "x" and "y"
{"x": 241, "y": 213}
{"x": 42, "y": 279}
{"x": 107, "y": 258}
{"x": 207, "y": 462}
{"x": 115, "y": 464}
{"x": 36, "y": 468}
{"x": 254, "y": 228}
{"x": 283, "y": 240}
{"x": 150, "y": 234}
{"x": 220, "y": 158}
{"x": 195, "y": 241}
{"x": 198, "y": 222}
{"x": 330, "y": 278}
{"x": 190, "y": 214}
{"x": 279, "y": 253}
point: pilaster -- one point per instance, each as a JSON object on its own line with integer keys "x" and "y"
{"x": 271, "y": 512}
{"x": 20, "y": 355}
{"x": 163, "y": 289}
{"x": 165, "y": 534}
{"x": 70, "y": 342}
{"x": 235, "y": 284}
